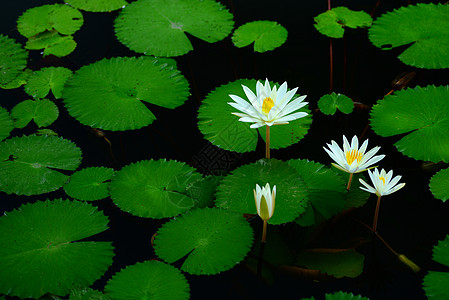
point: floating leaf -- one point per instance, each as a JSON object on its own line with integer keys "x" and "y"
{"x": 344, "y": 296}
{"x": 18, "y": 81}
{"x": 89, "y": 184}
{"x": 329, "y": 103}
{"x": 53, "y": 44}
{"x": 43, "y": 112}
{"x": 439, "y": 185}
{"x": 29, "y": 164}
{"x": 335, "y": 262}
{"x": 6, "y": 123}
{"x": 41, "y": 251}
{"x": 435, "y": 283}
{"x": 110, "y": 94}
{"x": 422, "y": 114}
{"x": 424, "y": 26}
{"x": 266, "y": 35}
{"x": 97, "y": 5}
{"x": 148, "y": 280}
{"x": 87, "y": 294}
{"x": 203, "y": 191}
{"x": 154, "y": 188}
{"x": 332, "y": 22}
{"x": 58, "y": 17}
{"x": 46, "y": 79}
{"x": 325, "y": 189}
{"x": 204, "y": 236}
{"x": 223, "y": 129}
{"x": 13, "y": 59}
{"x": 158, "y": 27}
{"x": 235, "y": 191}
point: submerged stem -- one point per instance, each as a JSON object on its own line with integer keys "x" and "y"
{"x": 267, "y": 143}
{"x": 264, "y": 232}
{"x": 376, "y": 215}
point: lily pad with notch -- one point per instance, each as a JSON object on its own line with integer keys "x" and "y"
{"x": 13, "y": 59}
{"x": 439, "y": 185}
{"x": 159, "y": 27}
{"x": 89, "y": 184}
{"x": 266, "y": 35}
{"x": 110, "y": 94}
{"x": 332, "y": 23}
{"x": 154, "y": 188}
{"x": 328, "y": 104}
{"x": 29, "y": 165}
{"x": 46, "y": 79}
{"x": 42, "y": 252}
{"x": 149, "y": 279}
{"x": 435, "y": 283}
{"x": 53, "y": 44}
{"x": 425, "y": 26}
{"x": 42, "y": 111}
{"x": 97, "y": 5}
{"x": 202, "y": 237}
{"x": 421, "y": 115}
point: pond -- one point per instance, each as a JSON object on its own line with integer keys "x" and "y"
{"x": 411, "y": 220}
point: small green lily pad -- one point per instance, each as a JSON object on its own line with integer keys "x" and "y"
{"x": 332, "y": 22}
{"x": 328, "y": 104}
{"x": 422, "y": 114}
{"x": 148, "y": 280}
{"x": 439, "y": 185}
{"x": 13, "y": 59}
{"x": 41, "y": 249}
{"x": 110, "y": 94}
{"x": 435, "y": 283}
{"x": 158, "y": 27}
{"x": 6, "y": 123}
{"x": 44, "y": 112}
{"x": 53, "y": 44}
{"x": 154, "y": 188}
{"x": 344, "y": 296}
{"x": 46, "y": 79}
{"x": 29, "y": 164}
{"x": 235, "y": 191}
{"x": 204, "y": 236}
{"x": 266, "y": 35}
{"x": 97, "y": 5}
{"x": 425, "y": 26}
{"x": 89, "y": 184}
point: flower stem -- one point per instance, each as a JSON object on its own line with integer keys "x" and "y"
{"x": 376, "y": 215}
{"x": 264, "y": 232}
{"x": 348, "y": 187}
{"x": 267, "y": 143}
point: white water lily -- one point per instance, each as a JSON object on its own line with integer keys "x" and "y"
{"x": 269, "y": 106}
{"x": 353, "y": 159}
{"x": 384, "y": 183}
{"x": 265, "y": 200}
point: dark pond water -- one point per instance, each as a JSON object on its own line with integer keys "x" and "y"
{"x": 411, "y": 220}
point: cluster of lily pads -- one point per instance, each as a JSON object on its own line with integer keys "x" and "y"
{"x": 48, "y": 247}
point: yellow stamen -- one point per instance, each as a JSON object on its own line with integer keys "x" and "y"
{"x": 267, "y": 105}
{"x": 383, "y": 179}
{"x": 353, "y": 155}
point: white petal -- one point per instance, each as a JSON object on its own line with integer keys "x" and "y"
{"x": 364, "y": 146}
{"x": 346, "y": 146}
{"x": 396, "y": 188}
{"x": 372, "y": 161}
{"x": 355, "y": 143}
{"x": 292, "y": 117}
{"x": 249, "y": 94}
{"x": 340, "y": 168}
{"x": 257, "y": 125}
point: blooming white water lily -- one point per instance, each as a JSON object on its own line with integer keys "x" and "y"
{"x": 384, "y": 183}
{"x": 269, "y": 106}
{"x": 265, "y": 200}
{"x": 353, "y": 159}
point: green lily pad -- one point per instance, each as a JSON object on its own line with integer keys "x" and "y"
{"x": 424, "y": 26}
{"x": 422, "y": 114}
{"x": 335, "y": 262}
{"x": 326, "y": 191}
{"x": 266, "y": 35}
{"x": 41, "y": 251}
{"x": 110, "y": 94}
{"x": 97, "y": 5}
{"x": 89, "y": 184}
{"x": 13, "y": 59}
{"x": 223, "y": 129}
{"x": 158, "y": 27}
{"x": 149, "y": 280}
{"x": 435, "y": 283}
{"x": 53, "y": 44}
{"x": 46, "y": 79}
{"x": 439, "y": 185}
{"x": 53, "y": 17}
{"x": 29, "y": 164}
{"x": 204, "y": 236}
{"x": 6, "y": 123}
{"x": 87, "y": 294}
{"x": 328, "y": 104}
{"x": 154, "y": 188}
{"x": 344, "y": 296}
{"x": 332, "y": 22}
{"x": 235, "y": 191}
{"x": 44, "y": 112}
{"x": 18, "y": 81}
{"x": 203, "y": 191}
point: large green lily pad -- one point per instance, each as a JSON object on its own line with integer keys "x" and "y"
{"x": 13, "y": 59}
{"x": 97, "y": 5}
{"x": 158, "y": 27}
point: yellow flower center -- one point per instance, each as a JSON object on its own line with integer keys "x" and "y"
{"x": 267, "y": 105}
{"x": 353, "y": 155}
{"x": 383, "y": 179}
